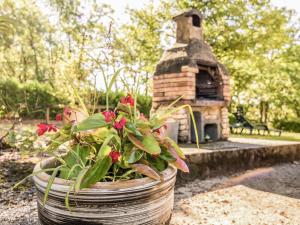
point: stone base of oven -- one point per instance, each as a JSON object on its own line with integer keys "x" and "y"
{"x": 211, "y": 121}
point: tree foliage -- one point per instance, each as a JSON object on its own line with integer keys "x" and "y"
{"x": 72, "y": 45}
{"x": 256, "y": 41}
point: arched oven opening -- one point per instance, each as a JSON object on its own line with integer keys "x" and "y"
{"x": 208, "y": 85}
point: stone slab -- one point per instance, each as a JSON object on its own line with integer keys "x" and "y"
{"x": 234, "y": 155}
{"x": 238, "y": 205}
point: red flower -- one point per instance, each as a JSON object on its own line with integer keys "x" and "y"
{"x": 43, "y": 128}
{"x": 58, "y": 117}
{"x": 119, "y": 125}
{"x": 52, "y": 127}
{"x": 114, "y": 155}
{"x": 127, "y": 100}
{"x": 109, "y": 115}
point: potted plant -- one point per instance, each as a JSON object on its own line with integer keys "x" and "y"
{"x": 118, "y": 169}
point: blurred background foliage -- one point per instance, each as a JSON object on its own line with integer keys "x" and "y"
{"x": 53, "y": 48}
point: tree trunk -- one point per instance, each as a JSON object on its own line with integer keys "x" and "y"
{"x": 264, "y": 108}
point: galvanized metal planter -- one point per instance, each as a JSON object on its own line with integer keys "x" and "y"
{"x": 140, "y": 201}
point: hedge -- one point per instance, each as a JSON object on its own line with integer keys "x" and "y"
{"x": 288, "y": 125}
{"x": 28, "y": 100}
{"x": 31, "y": 99}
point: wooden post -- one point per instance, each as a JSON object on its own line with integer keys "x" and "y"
{"x": 47, "y": 115}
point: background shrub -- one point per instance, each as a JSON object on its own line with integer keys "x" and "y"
{"x": 144, "y": 102}
{"x": 28, "y": 100}
{"x": 31, "y": 99}
{"x": 287, "y": 125}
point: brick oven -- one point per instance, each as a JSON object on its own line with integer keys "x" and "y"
{"x": 191, "y": 70}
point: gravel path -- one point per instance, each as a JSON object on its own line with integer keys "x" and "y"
{"x": 18, "y": 207}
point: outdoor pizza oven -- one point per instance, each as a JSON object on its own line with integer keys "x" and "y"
{"x": 190, "y": 69}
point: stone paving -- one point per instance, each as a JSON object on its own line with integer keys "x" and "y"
{"x": 237, "y": 154}
{"x": 233, "y": 144}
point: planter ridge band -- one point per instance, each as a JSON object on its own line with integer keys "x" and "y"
{"x": 139, "y": 201}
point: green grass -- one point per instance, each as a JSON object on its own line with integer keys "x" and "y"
{"x": 285, "y": 136}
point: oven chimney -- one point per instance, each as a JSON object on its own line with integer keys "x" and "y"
{"x": 189, "y": 26}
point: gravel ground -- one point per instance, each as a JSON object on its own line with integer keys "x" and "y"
{"x": 257, "y": 197}
{"x": 18, "y": 207}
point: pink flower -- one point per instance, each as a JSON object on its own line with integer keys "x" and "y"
{"x": 161, "y": 129}
{"x": 43, "y": 128}
{"x": 128, "y": 100}
{"x": 109, "y": 115}
{"x": 142, "y": 117}
{"x": 119, "y": 125}
{"x": 114, "y": 155}
{"x": 58, "y": 117}
{"x": 67, "y": 112}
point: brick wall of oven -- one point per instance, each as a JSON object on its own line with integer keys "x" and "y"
{"x": 168, "y": 87}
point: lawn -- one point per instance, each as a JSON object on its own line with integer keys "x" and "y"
{"x": 285, "y": 136}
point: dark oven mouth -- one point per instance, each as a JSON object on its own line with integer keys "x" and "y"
{"x": 207, "y": 130}
{"x": 211, "y": 131}
{"x": 208, "y": 85}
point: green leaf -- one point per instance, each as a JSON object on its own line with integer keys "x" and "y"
{"x": 146, "y": 170}
{"x": 67, "y": 196}
{"x": 96, "y": 172}
{"x": 72, "y": 170}
{"x": 151, "y": 145}
{"x": 83, "y": 152}
{"x": 178, "y": 163}
{"x": 157, "y": 163}
{"x": 33, "y": 174}
{"x": 130, "y": 126}
{"x": 104, "y": 151}
{"x": 78, "y": 155}
{"x": 59, "y": 140}
{"x": 135, "y": 156}
{"x": 113, "y": 79}
{"x": 148, "y": 144}
{"x": 126, "y": 175}
{"x": 49, "y": 184}
{"x": 169, "y": 143}
{"x": 142, "y": 124}
{"x": 92, "y": 122}
{"x": 166, "y": 155}
{"x": 159, "y": 118}
{"x": 80, "y": 177}
{"x": 123, "y": 108}
{"x": 100, "y": 135}
{"x": 81, "y": 102}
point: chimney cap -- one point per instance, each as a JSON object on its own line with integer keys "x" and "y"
{"x": 188, "y": 13}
